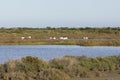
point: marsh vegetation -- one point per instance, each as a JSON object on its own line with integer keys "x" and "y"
{"x": 65, "y": 68}
{"x": 103, "y": 36}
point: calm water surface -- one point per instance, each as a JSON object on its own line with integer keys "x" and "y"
{"x": 48, "y": 52}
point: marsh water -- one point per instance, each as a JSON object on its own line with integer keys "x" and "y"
{"x": 48, "y": 52}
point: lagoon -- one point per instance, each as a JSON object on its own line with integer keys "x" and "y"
{"x": 48, "y": 52}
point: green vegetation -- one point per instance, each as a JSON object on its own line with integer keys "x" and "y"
{"x": 12, "y": 36}
{"x": 65, "y": 68}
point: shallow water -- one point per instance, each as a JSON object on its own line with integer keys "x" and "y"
{"x": 48, "y": 52}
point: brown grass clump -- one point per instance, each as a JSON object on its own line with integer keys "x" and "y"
{"x": 53, "y": 74}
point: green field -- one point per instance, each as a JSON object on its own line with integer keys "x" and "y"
{"x": 41, "y": 36}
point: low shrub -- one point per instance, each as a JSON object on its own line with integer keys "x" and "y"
{"x": 52, "y": 74}
{"x": 34, "y": 64}
{"x": 33, "y": 68}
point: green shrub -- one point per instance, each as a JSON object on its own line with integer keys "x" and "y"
{"x": 34, "y": 64}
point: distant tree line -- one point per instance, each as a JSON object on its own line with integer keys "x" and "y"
{"x": 115, "y": 30}
{"x": 66, "y": 28}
